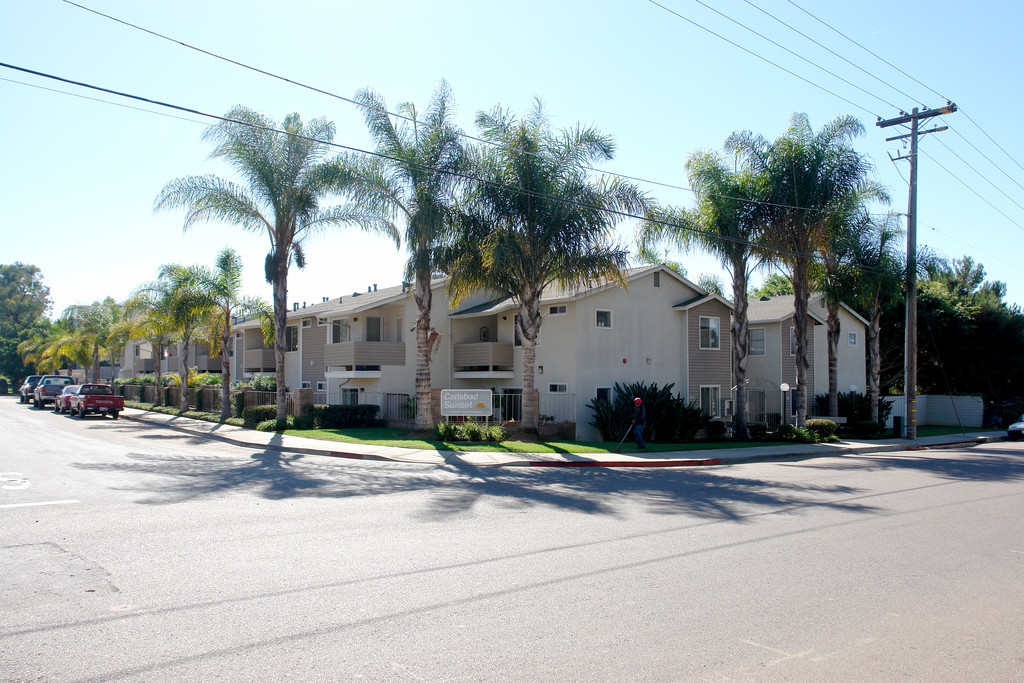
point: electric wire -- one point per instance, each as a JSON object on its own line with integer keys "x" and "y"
{"x": 763, "y": 59}
{"x": 959, "y": 180}
{"x": 980, "y": 174}
{"x": 349, "y": 148}
{"x": 349, "y": 100}
{"x": 971, "y": 246}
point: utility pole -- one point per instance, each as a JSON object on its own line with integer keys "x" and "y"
{"x": 910, "y": 350}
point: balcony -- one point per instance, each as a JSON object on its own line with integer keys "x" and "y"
{"x": 142, "y": 365}
{"x": 258, "y": 360}
{"x": 483, "y": 360}
{"x": 362, "y": 359}
{"x": 205, "y": 363}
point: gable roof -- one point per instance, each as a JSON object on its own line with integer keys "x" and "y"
{"x": 554, "y": 293}
{"x": 775, "y": 309}
{"x": 702, "y": 298}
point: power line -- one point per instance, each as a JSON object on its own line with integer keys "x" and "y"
{"x": 960, "y": 180}
{"x": 971, "y": 246}
{"x": 379, "y": 155}
{"x": 980, "y": 174}
{"x": 763, "y": 59}
{"x": 960, "y": 135}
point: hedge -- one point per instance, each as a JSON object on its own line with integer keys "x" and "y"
{"x": 341, "y": 417}
{"x": 253, "y": 415}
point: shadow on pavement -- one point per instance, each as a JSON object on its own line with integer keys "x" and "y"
{"x": 169, "y": 475}
{"x": 995, "y": 462}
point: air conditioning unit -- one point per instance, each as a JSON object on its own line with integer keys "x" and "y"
{"x": 728, "y": 407}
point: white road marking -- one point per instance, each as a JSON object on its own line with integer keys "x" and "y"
{"x": 48, "y": 502}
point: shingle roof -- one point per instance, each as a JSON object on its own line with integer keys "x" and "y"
{"x": 775, "y": 309}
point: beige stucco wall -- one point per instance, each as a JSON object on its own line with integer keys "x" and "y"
{"x": 852, "y": 359}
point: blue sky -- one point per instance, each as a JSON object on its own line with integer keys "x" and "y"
{"x": 78, "y": 176}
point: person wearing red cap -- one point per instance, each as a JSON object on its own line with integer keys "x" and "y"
{"x": 639, "y": 421}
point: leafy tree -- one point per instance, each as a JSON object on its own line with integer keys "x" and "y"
{"x": 537, "y": 218}
{"x": 149, "y": 309}
{"x": 774, "y": 284}
{"x": 24, "y": 302}
{"x": 410, "y": 188}
{"x": 711, "y": 284}
{"x": 724, "y": 224}
{"x": 804, "y": 179}
{"x": 286, "y": 178}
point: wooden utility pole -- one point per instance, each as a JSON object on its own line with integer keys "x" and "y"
{"x": 910, "y": 350}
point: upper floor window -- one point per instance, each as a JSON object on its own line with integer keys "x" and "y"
{"x": 709, "y": 338}
{"x": 558, "y": 388}
{"x": 291, "y": 338}
{"x": 560, "y": 309}
{"x": 603, "y": 318}
{"x": 755, "y": 341}
{"x": 341, "y": 331}
{"x": 853, "y": 339}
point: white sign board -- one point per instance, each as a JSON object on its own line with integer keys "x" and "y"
{"x": 466, "y": 402}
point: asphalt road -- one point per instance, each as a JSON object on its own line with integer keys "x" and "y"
{"x": 131, "y": 552}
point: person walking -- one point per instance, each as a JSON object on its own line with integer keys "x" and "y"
{"x": 639, "y": 421}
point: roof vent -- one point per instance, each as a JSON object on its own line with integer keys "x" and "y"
{"x": 325, "y": 299}
{"x": 295, "y": 306}
{"x": 355, "y": 293}
{"x": 375, "y": 286}
{"x": 303, "y": 304}
{"x": 765, "y": 298}
{"x": 657, "y": 279}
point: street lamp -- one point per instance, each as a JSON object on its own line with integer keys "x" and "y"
{"x": 783, "y": 389}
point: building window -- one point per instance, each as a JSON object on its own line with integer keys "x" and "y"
{"x": 373, "y": 328}
{"x": 560, "y": 309}
{"x": 603, "y": 394}
{"x": 350, "y": 397}
{"x": 305, "y": 385}
{"x": 853, "y": 339}
{"x": 340, "y": 331}
{"x": 485, "y": 334}
{"x": 308, "y": 322}
{"x": 321, "y": 386}
{"x": 604, "y": 319}
{"x": 136, "y": 351}
{"x": 291, "y": 338}
{"x": 792, "y": 341}
{"x": 755, "y": 341}
{"x": 709, "y": 333}
{"x": 558, "y": 388}
{"x": 709, "y": 396}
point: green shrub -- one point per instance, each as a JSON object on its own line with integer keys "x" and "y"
{"x": 343, "y": 417}
{"x": 275, "y": 426}
{"x": 238, "y": 401}
{"x": 757, "y": 430}
{"x": 855, "y": 407}
{"x": 822, "y": 428}
{"x": 784, "y": 432}
{"x": 495, "y": 433}
{"x": 445, "y": 431}
{"x": 669, "y": 417}
{"x": 254, "y": 415}
{"x": 303, "y": 423}
{"x": 471, "y": 431}
{"x": 716, "y": 430}
{"x": 263, "y": 383}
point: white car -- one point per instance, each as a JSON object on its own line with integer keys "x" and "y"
{"x": 1014, "y": 431}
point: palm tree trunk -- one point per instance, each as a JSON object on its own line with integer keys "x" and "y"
{"x": 95, "y": 369}
{"x": 801, "y": 292}
{"x": 740, "y": 346}
{"x": 183, "y": 372}
{"x": 158, "y": 400}
{"x": 423, "y": 296}
{"x": 833, "y": 357}
{"x": 529, "y": 322}
{"x": 875, "y": 357}
{"x": 280, "y": 323}
{"x": 225, "y": 368}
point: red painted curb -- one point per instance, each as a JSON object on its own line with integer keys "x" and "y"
{"x": 627, "y": 463}
{"x": 353, "y": 456}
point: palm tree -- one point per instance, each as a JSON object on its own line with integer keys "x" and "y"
{"x": 149, "y": 308}
{"x": 413, "y": 182}
{"x": 89, "y": 326}
{"x": 286, "y": 178}
{"x": 723, "y": 223}
{"x": 804, "y": 178}
{"x": 190, "y": 307}
{"x": 537, "y": 218}
{"x": 223, "y": 286}
{"x": 881, "y": 265}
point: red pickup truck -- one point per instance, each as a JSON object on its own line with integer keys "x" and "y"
{"x": 95, "y": 398}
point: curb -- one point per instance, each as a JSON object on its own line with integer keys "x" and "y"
{"x": 626, "y": 463}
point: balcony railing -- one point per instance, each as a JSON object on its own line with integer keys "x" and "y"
{"x": 363, "y": 353}
{"x": 259, "y": 360}
{"x": 143, "y": 365}
{"x": 483, "y": 360}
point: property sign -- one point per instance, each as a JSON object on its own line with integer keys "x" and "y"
{"x": 466, "y": 402}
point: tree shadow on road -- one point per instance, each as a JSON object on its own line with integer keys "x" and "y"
{"x": 986, "y": 462}
{"x": 171, "y": 475}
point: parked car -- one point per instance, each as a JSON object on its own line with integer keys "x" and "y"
{"x": 95, "y": 398}
{"x": 47, "y": 389}
{"x": 1013, "y": 432}
{"x": 63, "y": 399}
{"x": 25, "y": 392}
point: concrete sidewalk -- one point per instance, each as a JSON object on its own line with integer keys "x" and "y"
{"x": 250, "y": 438}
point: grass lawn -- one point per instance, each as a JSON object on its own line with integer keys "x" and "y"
{"x": 400, "y": 438}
